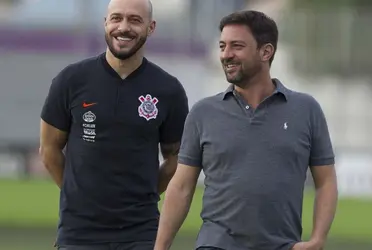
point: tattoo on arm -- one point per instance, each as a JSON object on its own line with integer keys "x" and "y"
{"x": 169, "y": 150}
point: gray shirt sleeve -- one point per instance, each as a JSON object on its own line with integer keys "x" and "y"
{"x": 321, "y": 146}
{"x": 191, "y": 152}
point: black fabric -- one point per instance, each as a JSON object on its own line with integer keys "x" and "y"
{"x": 114, "y": 126}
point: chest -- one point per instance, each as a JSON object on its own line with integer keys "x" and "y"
{"x": 278, "y": 135}
{"x": 115, "y": 110}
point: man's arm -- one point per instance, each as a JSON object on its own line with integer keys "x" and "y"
{"x": 325, "y": 201}
{"x": 321, "y": 164}
{"x": 52, "y": 142}
{"x": 171, "y": 134}
{"x": 323, "y": 171}
{"x": 181, "y": 188}
{"x": 176, "y": 204}
{"x": 55, "y": 124}
{"x": 168, "y": 168}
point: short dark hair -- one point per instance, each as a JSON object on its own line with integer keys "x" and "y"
{"x": 262, "y": 27}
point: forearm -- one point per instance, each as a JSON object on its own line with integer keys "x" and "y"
{"x": 324, "y": 211}
{"x": 166, "y": 172}
{"x": 54, "y": 162}
{"x": 174, "y": 211}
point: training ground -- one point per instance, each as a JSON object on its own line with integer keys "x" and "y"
{"x": 28, "y": 217}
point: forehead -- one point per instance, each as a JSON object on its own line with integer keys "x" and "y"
{"x": 128, "y": 8}
{"x": 236, "y": 32}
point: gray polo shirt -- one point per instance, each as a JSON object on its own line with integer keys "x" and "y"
{"x": 255, "y": 164}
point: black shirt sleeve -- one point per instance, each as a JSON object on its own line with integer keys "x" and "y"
{"x": 172, "y": 128}
{"x": 56, "y": 106}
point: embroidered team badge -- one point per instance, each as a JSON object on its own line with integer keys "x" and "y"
{"x": 147, "y": 108}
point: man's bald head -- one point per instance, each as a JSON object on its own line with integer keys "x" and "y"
{"x": 150, "y": 9}
{"x": 142, "y": 4}
{"x": 127, "y": 26}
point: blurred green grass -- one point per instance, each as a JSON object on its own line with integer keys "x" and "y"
{"x": 30, "y": 204}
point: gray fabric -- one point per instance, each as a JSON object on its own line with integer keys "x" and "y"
{"x": 255, "y": 164}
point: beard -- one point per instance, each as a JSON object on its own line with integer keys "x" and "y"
{"x": 124, "y": 55}
{"x": 243, "y": 75}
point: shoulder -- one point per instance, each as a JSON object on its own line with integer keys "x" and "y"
{"x": 164, "y": 79}
{"x": 203, "y": 111}
{"x": 307, "y": 105}
{"x": 72, "y": 71}
{"x": 304, "y": 100}
{"x": 206, "y": 105}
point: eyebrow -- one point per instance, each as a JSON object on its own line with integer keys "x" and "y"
{"x": 131, "y": 15}
{"x": 115, "y": 14}
{"x": 234, "y": 41}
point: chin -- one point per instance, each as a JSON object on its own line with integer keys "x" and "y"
{"x": 234, "y": 80}
{"x": 122, "y": 49}
{"x": 230, "y": 78}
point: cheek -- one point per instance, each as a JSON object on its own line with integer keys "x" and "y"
{"x": 248, "y": 65}
{"x": 249, "y": 58}
{"x": 142, "y": 32}
{"x": 221, "y": 57}
{"x": 109, "y": 28}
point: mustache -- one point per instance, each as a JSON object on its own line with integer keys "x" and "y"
{"x": 228, "y": 61}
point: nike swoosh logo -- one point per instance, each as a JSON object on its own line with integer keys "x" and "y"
{"x": 86, "y": 105}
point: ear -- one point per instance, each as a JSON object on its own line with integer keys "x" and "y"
{"x": 151, "y": 28}
{"x": 267, "y": 51}
{"x": 105, "y": 21}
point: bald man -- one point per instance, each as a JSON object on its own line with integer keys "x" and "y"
{"x": 109, "y": 113}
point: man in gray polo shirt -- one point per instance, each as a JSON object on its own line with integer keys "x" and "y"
{"x": 254, "y": 142}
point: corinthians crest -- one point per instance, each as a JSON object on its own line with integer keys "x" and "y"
{"x": 147, "y": 108}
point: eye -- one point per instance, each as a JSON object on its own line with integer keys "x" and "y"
{"x": 238, "y": 46}
{"x": 115, "y": 18}
{"x": 135, "y": 20}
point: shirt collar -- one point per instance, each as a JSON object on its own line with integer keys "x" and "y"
{"x": 280, "y": 88}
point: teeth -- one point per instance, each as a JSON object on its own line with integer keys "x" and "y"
{"x": 120, "y": 38}
{"x": 231, "y": 65}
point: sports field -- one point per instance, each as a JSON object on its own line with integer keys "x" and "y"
{"x": 28, "y": 215}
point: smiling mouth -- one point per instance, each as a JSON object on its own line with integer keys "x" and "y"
{"x": 124, "y": 39}
{"x": 231, "y": 67}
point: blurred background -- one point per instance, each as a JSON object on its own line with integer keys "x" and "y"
{"x": 324, "y": 50}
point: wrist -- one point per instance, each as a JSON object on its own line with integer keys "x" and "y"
{"x": 317, "y": 241}
{"x": 161, "y": 246}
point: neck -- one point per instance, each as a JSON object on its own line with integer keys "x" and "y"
{"x": 124, "y": 67}
{"x": 257, "y": 89}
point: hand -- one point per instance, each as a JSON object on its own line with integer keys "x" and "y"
{"x": 307, "y": 245}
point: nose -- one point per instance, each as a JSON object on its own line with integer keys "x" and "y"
{"x": 124, "y": 25}
{"x": 227, "y": 53}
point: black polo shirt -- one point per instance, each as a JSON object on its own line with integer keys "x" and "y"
{"x": 114, "y": 127}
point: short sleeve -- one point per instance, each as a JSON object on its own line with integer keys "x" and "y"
{"x": 56, "y": 106}
{"x": 191, "y": 151}
{"x": 321, "y": 146}
{"x": 172, "y": 128}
